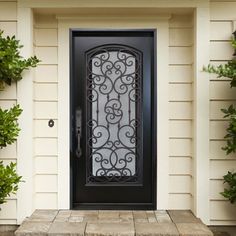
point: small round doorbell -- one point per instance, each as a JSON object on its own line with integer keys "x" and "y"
{"x": 51, "y": 123}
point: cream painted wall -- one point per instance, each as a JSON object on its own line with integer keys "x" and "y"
{"x": 222, "y": 24}
{"x": 8, "y": 23}
{"x": 45, "y": 108}
{"x": 180, "y": 111}
{"x": 180, "y": 107}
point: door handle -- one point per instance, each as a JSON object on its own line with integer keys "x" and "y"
{"x": 78, "y": 128}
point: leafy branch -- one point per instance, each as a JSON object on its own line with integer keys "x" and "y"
{"x": 230, "y": 193}
{"x": 12, "y": 64}
{"x": 9, "y": 181}
{"x": 228, "y": 70}
{"x": 231, "y": 130}
{"x": 9, "y": 128}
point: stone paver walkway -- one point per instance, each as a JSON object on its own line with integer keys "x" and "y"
{"x": 109, "y": 223}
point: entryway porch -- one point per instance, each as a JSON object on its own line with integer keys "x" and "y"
{"x": 125, "y": 223}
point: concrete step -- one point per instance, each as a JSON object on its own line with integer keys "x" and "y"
{"x": 109, "y": 223}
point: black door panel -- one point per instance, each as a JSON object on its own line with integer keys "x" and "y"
{"x": 112, "y": 119}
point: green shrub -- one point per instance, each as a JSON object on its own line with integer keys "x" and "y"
{"x": 230, "y": 193}
{"x": 9, "y": 181}
{"x": 228, "y": 70}
{"x": 231, "y": 130}
{"x": 9, "y": 128}
{"x": 11, "y": 63}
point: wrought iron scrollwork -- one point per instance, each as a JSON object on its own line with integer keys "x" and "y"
{"x": 114, "y": 89}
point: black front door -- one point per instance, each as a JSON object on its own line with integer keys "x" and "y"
{"x": 113, "y": 131}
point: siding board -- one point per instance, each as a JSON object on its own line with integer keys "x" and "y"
{"x": 222, "y": 210}
{"x": 47, "y": 55}
{"x": 180, "y": 201}
{"x": 8, "y": 210}
{"x": 9, "y": 93}
{"x": 43, "y": 130}
{"x": 222, "y": 11}
{"x": 181, "y": 37}
{"x": 182, "y": 73}
{"x": 217, "y": 129}
{"x": 180, "y": 110}
{"x": 180, "y": 129}
{"x": 221, "y": 51}
{"x": 219, "y": 168}
{"x": 180, "y": 92}
{"x": 180, "y": 147}
{"x": 216, "y": 187}
{"x": 180, "y": 55}
{"x": 8, "y": 11}
{"x": 216, "y": 151}
{"x": 180, "y": 166}
{"x": 45, "y": 110}
{"x": 46, "y": 37}
{"x": 9, "y": 28}
{"x": 46, "y": 165}
{"x": 46, "y": 200}
{"x": 220, "y": 90}
{"x": 180, "y": 184}
{"x": 46, "y": 73}
{"x": 51, "y": 185}
{"x": 221, "y": 30}
{"x": 8, "y": 152}
{"x": 45, "y": 92}
{"x": 45, "y": 146}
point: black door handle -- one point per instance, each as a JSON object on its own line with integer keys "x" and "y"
{"x": 78, "y": 129}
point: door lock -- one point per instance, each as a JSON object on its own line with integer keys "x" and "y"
{"x": 78, "y": 129}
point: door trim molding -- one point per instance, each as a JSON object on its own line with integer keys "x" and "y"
{"x": 162, "y": 59}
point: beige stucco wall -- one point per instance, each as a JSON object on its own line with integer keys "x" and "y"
{"x": 180, "y": 108}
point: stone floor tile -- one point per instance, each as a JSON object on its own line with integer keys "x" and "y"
{"x": 43, "y": 215}
{"x": 112, "y": 229}
{"x": 67, "y": 228}
{"x": 193, "y": 229}
{"x": 108, "y": 214}
{"x": 84, "y": 213}
{"x": 151, "y": 216}
{"x": 63, "y": 216}
{"x": 156, "y": 229}
{"x": 76, "y": 219}
{"x": 61, "y": 219}
{"x": 162, "y": 217}
{"x": 183, "y": 216}
{"x": 126, "y": 216}
{"x": 106, "y": 220}
{"x": 64, "y": 213}
{"x": 29, "y": 228}
{"x": 140, "y": 216}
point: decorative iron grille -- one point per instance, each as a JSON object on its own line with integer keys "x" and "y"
{"x": 114, "y": 120}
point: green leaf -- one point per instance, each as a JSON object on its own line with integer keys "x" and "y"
{"x": 12, "y": 64}
{"x": 9, "y": 128}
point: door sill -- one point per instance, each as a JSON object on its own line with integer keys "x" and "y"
{"x": 113, "y": 206}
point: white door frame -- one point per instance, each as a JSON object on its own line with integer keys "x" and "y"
{"x": 64, "y": 25}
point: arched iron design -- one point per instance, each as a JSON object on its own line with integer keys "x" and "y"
{"x": 114, "y": 100}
